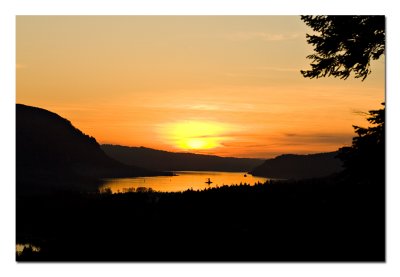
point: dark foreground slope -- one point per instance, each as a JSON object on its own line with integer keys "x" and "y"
{"x": 299, "y": 166}
{"x": 318, "y": 220}
{"x": 50, "y": 150}
{"x": 170, "y": 161}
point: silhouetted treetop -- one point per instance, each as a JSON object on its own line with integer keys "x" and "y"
{"x": 343, "y": 44}
{"x": 365, "y": 159}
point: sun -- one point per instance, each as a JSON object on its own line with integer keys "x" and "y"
{"x": 195, "y": 135}
{"x": 199, "y": 143}
{"x": 196, "y": 143}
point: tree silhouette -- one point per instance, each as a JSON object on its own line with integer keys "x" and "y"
{"x": 343, "y": 44}
{"x": 365, "y": 159}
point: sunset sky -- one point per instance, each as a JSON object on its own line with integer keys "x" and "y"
{"x": 223, "y": 85}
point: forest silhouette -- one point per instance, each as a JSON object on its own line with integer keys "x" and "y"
{"x": 339, "y": 217}
{"x": 310, "y": 220}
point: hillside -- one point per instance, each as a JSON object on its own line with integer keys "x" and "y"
{"x": 50, "y": 147}
{"x": 170, "y": 161}
{"x": 291, "y": 166}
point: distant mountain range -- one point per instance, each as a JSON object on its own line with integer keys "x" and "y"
{"x": 49, "y": 148}
{"x": 291, "y": 166}
{"x": 288, "y": 166}
{"x": 172, "y": 161}
{"x": 51, "y": 151}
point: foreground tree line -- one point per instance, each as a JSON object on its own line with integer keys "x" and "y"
{"x": 337, "y": 218}
{"x": 310, "y": 220}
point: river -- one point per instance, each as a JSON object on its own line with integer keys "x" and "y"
{"x": 196, "y": 180}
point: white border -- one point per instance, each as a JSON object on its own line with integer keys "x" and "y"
{"x": 8, "y": 10}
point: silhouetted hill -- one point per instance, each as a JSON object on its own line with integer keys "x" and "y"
{"x": 170, "y": 161}
{"x": 292, "y": 166}
{"x": 49, "y": 147}
{"x": 289, "y": 221}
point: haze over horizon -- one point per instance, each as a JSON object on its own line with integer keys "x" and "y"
{"x": 220, "y": 85}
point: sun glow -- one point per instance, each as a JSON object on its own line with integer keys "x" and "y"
{"x": 196, "y": 135}
{"x": 196, "y": 143}
{"x": 199, "y": 143}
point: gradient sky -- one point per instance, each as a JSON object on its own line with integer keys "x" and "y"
{"x": 224, "y": 85}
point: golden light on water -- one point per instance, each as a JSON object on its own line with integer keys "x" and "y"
{"x": 195, "y": 135}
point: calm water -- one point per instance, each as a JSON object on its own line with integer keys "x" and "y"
{"x": 185, "y": 180}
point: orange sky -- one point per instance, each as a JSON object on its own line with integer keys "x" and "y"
{"x": 224, "y": 85}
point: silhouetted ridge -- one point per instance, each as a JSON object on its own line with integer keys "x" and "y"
{"x": 170, "y": 161}
{"x": 49, "y": 146}
{"x": 290, "y": 166}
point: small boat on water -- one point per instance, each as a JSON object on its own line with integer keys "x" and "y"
{"x": 208, "y": 181}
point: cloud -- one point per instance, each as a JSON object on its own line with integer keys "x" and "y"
{"x": 317, "y": 138}
{"x": 281, "y": 69}
{"x": 219, "y": 106}
{"x": 260, "y": 71}
{"x": 244, "y": 36}
{"x": 204, "y": 107}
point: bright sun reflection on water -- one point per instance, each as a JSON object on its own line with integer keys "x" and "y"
{"x": 185, "y": 180}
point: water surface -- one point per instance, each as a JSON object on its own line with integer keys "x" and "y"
{"x": 184, "y": 180}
